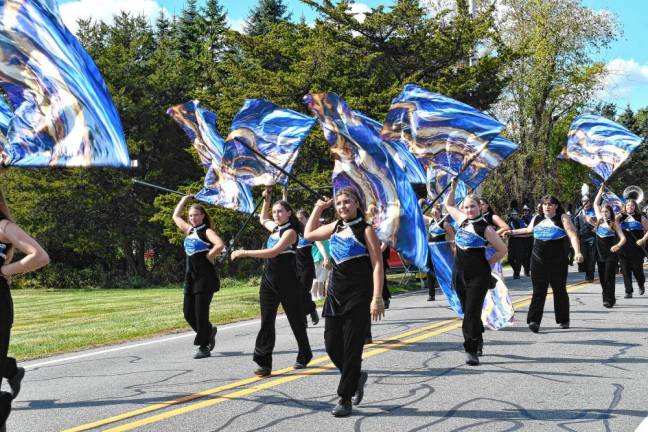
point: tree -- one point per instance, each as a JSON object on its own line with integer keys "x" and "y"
{"x": 552, "y": 78}
{"x": 262, "y": 17}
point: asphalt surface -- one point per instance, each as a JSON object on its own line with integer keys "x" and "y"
{"x": 591, "y": 377}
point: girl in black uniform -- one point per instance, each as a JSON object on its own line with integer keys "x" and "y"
{"x": 202, "y": 246}
{"x": 635, "y": 228}
{"x": 35, "y": 257}
{"x": 355, "y": 287}
{"x": 549, "y": 263}
{"x": 279, "y": 284}
{"x": 607, "y": 248}
{"x": 439, "y": 231}
{"x": 306, "y": 269}
{"x": 494, "y": 220}
{"x": 472, "y": 271}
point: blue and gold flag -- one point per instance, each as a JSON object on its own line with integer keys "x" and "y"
{"x": 443, "y": 133}
{"x": 362, "y": 162}
{"x": 599, "y": 143}
{"x": 220, "y": 188}
{"x": 63, "y": 114}
{"x": 399, "y": 153}
{"x": 275, "y": 133}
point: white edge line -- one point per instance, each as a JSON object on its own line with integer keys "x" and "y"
{"x": 643, "y": 427}
{"x": 137, "y": 345}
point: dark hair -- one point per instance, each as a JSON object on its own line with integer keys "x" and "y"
{"x": 303, "y": 212}
{"x": 206, "y": 219}
{"x": 293, "y": 216}
{"x": 612, "y": 218}
{"x": 353, "y": 194}
{"x": 637, "y": 212}
{"x": 550, "y": 199}
{"x": 485, "y": 201}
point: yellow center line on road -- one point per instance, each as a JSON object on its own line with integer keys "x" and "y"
{"x": 371, "y": 350}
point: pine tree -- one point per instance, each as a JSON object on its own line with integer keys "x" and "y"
{"x": 213, "y": 26}
{"x": 262, "y": 17}
{"x": 189, "y": 29}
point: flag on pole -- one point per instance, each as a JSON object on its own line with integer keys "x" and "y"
{"x": 220, "y": 188}
{"x": 275, "y": 133}
{"x": 62, "y": 114}
{"x": 363, "y": 163}
{"x": 599, "y": 143}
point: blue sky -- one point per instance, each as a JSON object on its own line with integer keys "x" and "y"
{"x": 627, "y": 57}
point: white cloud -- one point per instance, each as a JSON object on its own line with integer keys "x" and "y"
{"x": 359, "y": 11}
{"x": 104, "y": 10}
{"x": 236, "y": 24}
{"x": 623, "y": 77}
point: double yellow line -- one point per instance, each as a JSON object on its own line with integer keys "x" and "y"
{"x": 282, "y": 377}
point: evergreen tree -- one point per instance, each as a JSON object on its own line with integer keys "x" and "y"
{"x": 262, "y": 17}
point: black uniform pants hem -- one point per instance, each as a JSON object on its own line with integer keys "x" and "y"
{"x": 632, "y": 266}
{"x": 607, "y": 275}
{"x": 471, "y": 294}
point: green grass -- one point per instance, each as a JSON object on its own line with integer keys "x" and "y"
{"x": 55, "y": 321}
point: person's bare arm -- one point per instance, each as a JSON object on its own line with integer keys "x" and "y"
{"x": 573, "y": 237}
{"x": 184, "y": 226}
{"x": 377, "y": 308}
{"x": 218, "y": 243}
{"x": 289, "y": 237}
{"x": 35, "y": 256}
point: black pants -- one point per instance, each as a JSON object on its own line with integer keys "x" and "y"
{"x": 8, "y": 366}
{"x": 196, "y": 312}
{"x": 432, "y": 281}
{"x": 471, "y": 292}
{"x": 344, "y": 338}
{"x": 526, "y": 254}
{"x": 291, "y": 300}
{"x": 588, "y": 249}
{"x": 542, "y": 276}
{"x": 632, "y": 266}
{"x": 516, "y": 255}
{"x": 607, "y": 275}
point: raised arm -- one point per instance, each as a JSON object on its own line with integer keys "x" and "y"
{"x": 265, "y": 217}
{"x": 597, "y": 202}
{"x": 35, "y": 256}
{"x": 184, "y": 226}
{"x": 573, "y": 237}
{"x": 313, "y": 231}
{"x": 449, "y": 203}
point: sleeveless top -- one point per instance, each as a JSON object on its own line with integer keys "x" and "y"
{"x": 549, "y": 237}
{"x": 605, "y": 239}
{"x": 633, "y": 230}
{"x": 200, "y": 273}
{"x": 471, "y": 247}
{"x": 351, "y": 281}
{"x": 304, "y": 262}
{"x": 488, "y": 217}
{"x": 283, "y": 265}
{"x": 436, "y": 231}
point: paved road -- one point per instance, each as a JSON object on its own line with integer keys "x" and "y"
{"x": 591, "y": 377}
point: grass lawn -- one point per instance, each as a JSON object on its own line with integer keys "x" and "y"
{"x": 55, "y": 321}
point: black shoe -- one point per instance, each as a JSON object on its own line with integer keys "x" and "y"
{"x": 5, "y": 407}
{"x": 314, "y": 317}
{"x": 607, "y": 304}
{"x": 628, "y": 295}
{"x": 342, "y": 409}
{"x": 202, "y": 352}
{"x": 516, "y": 276}
{"x": 386, "y": 304}
{"x": 480, "y": 348}
{"x": 368, "y": 340}
{"x": 564, "y": 325}
{"x": 472, "y": 359}
{"x": 299, "y": 365}
{"x": 431, "y": 298}
{"x": 359, "y": 394}
{"x": 534, "y": 327}
{"x": 212, "y": 339}
{"x": 263, "y": 371}
{"x": 642, "y": 290}
{"x": 14, "y": 382}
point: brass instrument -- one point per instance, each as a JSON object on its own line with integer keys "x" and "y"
{"x": 635, "y": 193}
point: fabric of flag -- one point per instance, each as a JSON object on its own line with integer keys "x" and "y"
{"x": 443, "y": 262}
{"x": 275, "y": 133}
{"x": 437, "y": 184}
{"x": 220, "y": 188}
{"x": 443, "y": 133}
{"x": 63, "y": 114}
{"x": 497, "y": 311}
{"x": 609, "y": 197}
{"x": 599, "y": 143}
{"x": 6, "y": 113}
{"x": 363, "y": 163}
{"x": 399, "y": 152}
